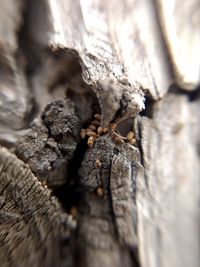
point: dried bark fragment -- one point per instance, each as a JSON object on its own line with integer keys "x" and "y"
{"x": 118, "y": 100}
{"x": 168, "y": 193}
{"x": 48, "y": 145}
{"x": 33, "y": 228}
{"x": 106, "y": 222}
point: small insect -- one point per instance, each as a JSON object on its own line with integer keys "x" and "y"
{"x": 130, "y": 136}
{"x": 90, "y": 141}
{"x": 99, "y": 191}
{"x": 83, "y": 133}
{"x": 118, "y": 140}
{"x": 95, "y": 122}
{"x": 95, "y": 130}
{"x": 98, "y": 163}
{"x": 132, "y": 141}
{"x": 92, "y": 127}
{"x": 99, "y": 130}
{"x": 91, "y": 133}
{"x": 105, "y": 130}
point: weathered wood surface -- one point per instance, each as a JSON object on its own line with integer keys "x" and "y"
{"x": 110, "y": 41}
{"x": 33, "y": 227}
{"x": 14, "y": 94}
{"x": 180, "y": 22}
{"x": 168, "y": 195}
{"x": 106, "y": 58}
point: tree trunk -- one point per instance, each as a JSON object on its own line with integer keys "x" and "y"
{"x": 99, "y": 133}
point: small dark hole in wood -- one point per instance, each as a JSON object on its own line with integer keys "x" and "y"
{"x": 148, "y": 111}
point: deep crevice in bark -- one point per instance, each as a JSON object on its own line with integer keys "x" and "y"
{"x": 69, "y": 194}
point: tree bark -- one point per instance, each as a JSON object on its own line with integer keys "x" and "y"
{"x": 99, "y": 133}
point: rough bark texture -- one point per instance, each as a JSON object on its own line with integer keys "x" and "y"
{"x": 107, "y": 223}
{"x": 33, "y": 227}
{"x": 103, "y": 199}
{"x": 50, "y": 144}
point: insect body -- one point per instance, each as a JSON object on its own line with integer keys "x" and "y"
{"x": 94, "y": 130}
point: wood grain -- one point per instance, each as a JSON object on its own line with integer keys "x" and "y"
{"x": 180, "y": 23}
{"x": 168, "y": 193}
{"x": 33, "y": 227}
{"x": 120, "y": 59}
